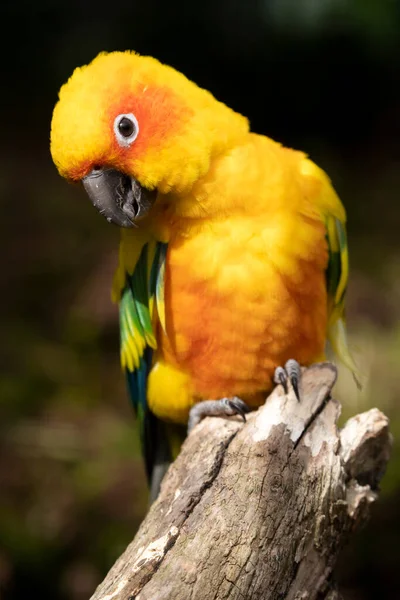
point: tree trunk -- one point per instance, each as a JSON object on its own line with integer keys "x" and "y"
{"x": 258, "y": 510}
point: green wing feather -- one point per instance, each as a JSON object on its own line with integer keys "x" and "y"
{"x": 139, "y": 311}
{"x": 141, "y": 302}
{"x": 159, "y": 284}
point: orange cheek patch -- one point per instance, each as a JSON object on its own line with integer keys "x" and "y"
{"x": 160, "y": 114}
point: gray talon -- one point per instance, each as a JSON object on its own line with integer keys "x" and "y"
{"x": 226, "y": 407}
{"x": 237, "y": 406}
{"x": 295, "y": 385}
{"x": 280, "y": 377}
{"x": 291, "y": 372}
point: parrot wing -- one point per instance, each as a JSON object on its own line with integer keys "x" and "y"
{"x": 140, "y": 279}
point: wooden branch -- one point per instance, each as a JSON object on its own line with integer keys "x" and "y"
{"x": 258, "y": 510}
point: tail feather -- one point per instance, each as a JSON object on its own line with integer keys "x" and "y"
{"x": 337, "y": 336}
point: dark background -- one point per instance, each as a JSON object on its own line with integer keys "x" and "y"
{"x": 318, "y": 75}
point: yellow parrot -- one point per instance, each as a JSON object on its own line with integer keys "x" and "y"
{"x": 233, "y": 261}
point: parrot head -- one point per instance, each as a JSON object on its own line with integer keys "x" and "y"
{"x": 129, "y": 127}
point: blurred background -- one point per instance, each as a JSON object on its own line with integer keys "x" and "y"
{"x": 318, "y": 75}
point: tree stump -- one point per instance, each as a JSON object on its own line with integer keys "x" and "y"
{"x": 258, "y": 510}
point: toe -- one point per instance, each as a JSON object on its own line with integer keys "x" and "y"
{"x": 293, "y": 371}
{"x": 236, "y": 406}
{"x": 226, "y": 407}
{"x": 295, "y": 386}
{"x": 280, "y": 377}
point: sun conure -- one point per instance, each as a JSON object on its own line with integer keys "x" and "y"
{"x": 233, "y": 260}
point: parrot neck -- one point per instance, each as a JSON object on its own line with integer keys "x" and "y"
{"x": 209, "y": 199}
{"x": 166, "y": 223}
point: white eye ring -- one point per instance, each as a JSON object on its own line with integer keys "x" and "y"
{"x": 126, "y": 140}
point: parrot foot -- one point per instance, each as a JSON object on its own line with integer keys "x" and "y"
{"x": 226, "y": 407}
{"x": 290, "y": 372}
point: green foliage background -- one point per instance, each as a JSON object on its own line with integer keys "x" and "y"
{"x": 322, "y": 76}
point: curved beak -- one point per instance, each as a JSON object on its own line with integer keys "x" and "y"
{"x": 118, "y": 197}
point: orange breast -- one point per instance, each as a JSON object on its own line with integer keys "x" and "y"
{"x": 237, "y": 307}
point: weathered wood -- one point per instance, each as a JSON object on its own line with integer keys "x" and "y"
{"x": 258, "y": 510}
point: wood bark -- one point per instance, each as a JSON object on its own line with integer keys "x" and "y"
{"x": 258, "y": 510}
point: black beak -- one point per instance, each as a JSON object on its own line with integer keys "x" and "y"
{"x": 118, "y": 197}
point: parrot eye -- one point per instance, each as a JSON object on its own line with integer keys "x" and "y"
{"x": 126, "y": 129}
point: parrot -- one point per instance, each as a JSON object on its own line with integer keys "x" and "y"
{"x": 233, "y": 257}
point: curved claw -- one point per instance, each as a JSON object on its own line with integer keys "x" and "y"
{"x": 281, "y": 377}
{"x": 295, "y": 385}
{"x": 237, "y": 406}
{"x": 293, "y": 371}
